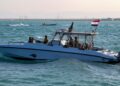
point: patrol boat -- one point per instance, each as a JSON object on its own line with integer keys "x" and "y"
{"x": 61, "y": 47}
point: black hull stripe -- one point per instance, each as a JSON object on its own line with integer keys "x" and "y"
{"x": 60, "y": 52}
{"x": 19, "y": 58}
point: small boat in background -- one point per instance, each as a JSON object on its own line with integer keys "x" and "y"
{"x": 52, "y": 24}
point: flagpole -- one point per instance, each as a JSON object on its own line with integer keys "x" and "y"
{"x": 95, "y": 24}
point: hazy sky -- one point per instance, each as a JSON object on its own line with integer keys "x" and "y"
{"x": 59, "y": 8}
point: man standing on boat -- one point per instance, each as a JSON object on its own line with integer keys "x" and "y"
{"x": 76, "y": 42}
{"x": 45, "y": 40}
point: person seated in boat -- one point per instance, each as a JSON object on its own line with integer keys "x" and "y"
{"x": 70, "y": 42}
{"x": 90, "y": 46}
{"x": 45, "y": 40}
{"x": 31, "y": 40}
{"x": 76, "y": 43}
{"x": 85, "y": 46}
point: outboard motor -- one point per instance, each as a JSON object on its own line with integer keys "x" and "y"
{"x": 119, "y": 56}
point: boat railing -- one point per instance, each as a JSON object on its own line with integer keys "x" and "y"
{"x": 17, "y": 43}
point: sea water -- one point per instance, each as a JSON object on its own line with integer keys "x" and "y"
{"x": 62, "y": 72}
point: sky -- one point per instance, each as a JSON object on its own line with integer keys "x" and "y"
{"x": 59, "y": 9}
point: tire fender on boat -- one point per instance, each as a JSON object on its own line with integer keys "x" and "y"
{"x": 33, "y": 55}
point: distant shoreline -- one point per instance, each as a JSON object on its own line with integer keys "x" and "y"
{"x": 104, "y": 19}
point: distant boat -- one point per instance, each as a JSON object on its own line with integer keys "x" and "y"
{"x": 52, "y": 24}
{"x": 19, "y": 24}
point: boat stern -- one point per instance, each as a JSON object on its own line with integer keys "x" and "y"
{"x": 118, "y": 56}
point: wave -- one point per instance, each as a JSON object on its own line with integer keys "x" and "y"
{"x": 19, "y": 25}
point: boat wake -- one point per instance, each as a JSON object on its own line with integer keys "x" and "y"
{"x": 19, "y": 25}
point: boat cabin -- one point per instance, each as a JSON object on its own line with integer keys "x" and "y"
{"x": 82, "y": 40}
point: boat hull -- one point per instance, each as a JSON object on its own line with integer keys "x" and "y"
{"x": 53, "y": 53}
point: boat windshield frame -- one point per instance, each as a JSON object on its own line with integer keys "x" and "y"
{"x": 78, "y": 33}
{"x": 61, "y": 35}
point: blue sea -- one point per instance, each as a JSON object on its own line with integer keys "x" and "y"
{"x": 62, "y": 72}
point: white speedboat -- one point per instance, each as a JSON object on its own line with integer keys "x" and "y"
{"x": 60, "y": 47}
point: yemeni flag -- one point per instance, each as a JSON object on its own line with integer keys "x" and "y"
{"x": 95, "y": 22}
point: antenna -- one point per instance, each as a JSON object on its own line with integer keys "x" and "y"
{"x": 71, "y": 27}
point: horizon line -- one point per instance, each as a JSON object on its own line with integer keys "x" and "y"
{"x": 107, "y": 18}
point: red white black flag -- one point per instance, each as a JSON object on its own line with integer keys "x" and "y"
{"x": 95, "y": 22}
